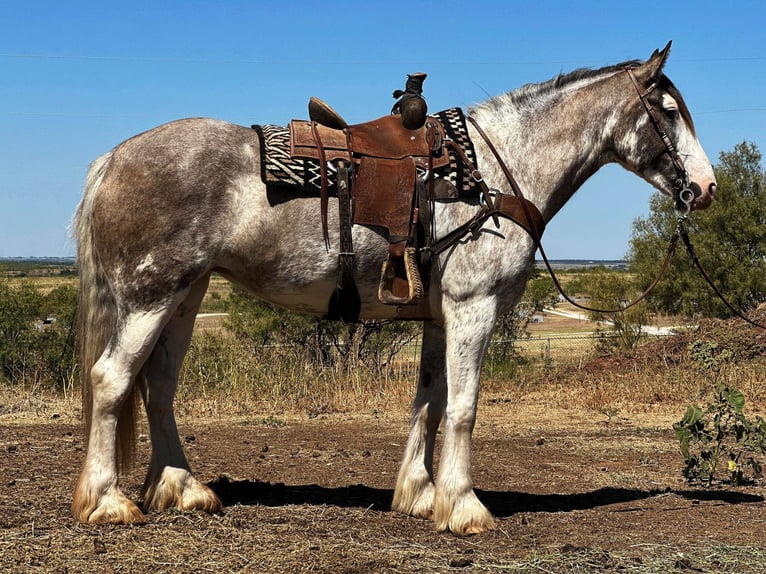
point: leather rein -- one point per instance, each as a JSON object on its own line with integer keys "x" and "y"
{"x": 684, "y": 194}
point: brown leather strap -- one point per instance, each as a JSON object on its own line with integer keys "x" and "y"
{"x": 684, "y": 190}
{"x": 665, "y": 264}
{"x": 671, "y": 149}
{"x": 323, "y": 197}
{"x": 346, "y": 255}
{"x": 518, "y": 209}
{"x": 345, "y": 303}
{"x": 507, "y": 172}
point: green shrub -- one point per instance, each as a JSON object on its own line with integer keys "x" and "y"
{"x": 37, "y": 337}
{"x": 720, "y": 431}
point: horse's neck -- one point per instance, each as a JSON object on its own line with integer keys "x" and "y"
{"x": 551, "y": 151}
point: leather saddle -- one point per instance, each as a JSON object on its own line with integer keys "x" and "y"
{"x": 382, "y": 170}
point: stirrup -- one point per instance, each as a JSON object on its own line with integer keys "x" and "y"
{"x": 321, "y": 112}
{"x": 400, "y": 282}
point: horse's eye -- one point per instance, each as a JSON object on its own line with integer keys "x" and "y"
{"x": 669, "y": 107}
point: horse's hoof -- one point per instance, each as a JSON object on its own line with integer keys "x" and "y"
{"x": 177, "y": 488}
{"x": 120, "y": 510}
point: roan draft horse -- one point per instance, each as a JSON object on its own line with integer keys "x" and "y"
{"x": 166, "y": 208}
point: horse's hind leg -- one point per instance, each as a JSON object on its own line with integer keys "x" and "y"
{"x": 414, "y": 494}
{"x": 97, "y": 497}
{"x": 169, "y": 482}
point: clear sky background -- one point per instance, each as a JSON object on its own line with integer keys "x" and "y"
{"x": 77, "y": 78}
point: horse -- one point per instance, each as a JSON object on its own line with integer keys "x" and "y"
{"x": 164, "y": 209}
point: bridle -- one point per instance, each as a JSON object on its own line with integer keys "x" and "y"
{"x": 683, "y": 197}
{"x": 684, "y": 193}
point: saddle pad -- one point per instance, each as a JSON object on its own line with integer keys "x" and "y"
{"x": 278, "y": 167}
{"x": 457, "y": 172}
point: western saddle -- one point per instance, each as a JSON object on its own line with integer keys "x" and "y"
{"x": 383, "y": 165}
{"x": 387, "y": 167}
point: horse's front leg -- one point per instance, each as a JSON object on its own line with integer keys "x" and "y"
{"x": 415, "y": 489}
{"x": 469, "y": 326}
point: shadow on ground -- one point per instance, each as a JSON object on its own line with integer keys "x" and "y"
{"x": 503, "y": 504}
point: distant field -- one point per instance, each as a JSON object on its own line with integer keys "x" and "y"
{"x": 49, "y": 273}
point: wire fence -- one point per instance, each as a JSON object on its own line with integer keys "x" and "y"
{"x": 544, "y": 351}
{"x": 562, "y": 350}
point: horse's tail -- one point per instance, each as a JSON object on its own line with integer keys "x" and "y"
{"x": 97, "y": 314}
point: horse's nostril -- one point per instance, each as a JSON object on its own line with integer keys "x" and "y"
{"x": 711, "y": 188}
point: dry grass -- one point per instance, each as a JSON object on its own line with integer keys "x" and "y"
{"x": 617, "y": 410}
{"x": 222, "y": 375}
{"x": 223, "y": 378}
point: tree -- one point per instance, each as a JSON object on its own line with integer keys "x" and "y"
{"x": 729, "y": 238}
{"x": 541, "y": 292}
{"x": 34, "y": 350}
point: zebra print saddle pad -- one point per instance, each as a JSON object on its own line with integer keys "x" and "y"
{"x": 279, "y": 168}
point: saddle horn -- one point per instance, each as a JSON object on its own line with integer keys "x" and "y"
{"x": 411, "y": 104}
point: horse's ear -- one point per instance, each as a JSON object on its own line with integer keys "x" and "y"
{"x": 652, "y": 68}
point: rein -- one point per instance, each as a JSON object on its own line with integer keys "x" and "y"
{"x": 681, "y": 230}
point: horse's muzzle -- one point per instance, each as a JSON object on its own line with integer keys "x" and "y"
{"x": 703, "y": 194}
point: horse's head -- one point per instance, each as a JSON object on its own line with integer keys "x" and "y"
{"x": 663, "y": 147}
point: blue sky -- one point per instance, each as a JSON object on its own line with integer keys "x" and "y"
{"x": 76, "y": 78}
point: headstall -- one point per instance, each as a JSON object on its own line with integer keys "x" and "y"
{"x": 684, "y": 192}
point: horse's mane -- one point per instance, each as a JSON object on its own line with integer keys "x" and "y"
{"x": 535, "y": 92}
{"x": 531, "y": 95}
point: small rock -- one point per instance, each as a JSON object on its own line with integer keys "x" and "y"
{"x": 99, "y": 547}
{"x": 190, "y": 438}
{"x": 686, "y": 564}
{"x": 460, "y": 562}
{"x": 11, "y": 447}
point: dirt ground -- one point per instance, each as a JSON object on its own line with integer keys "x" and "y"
{"x": 573, "y": 490}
